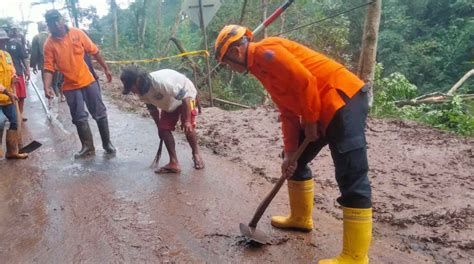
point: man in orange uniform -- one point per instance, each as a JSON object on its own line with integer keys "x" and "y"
{"x": 320, "y": 100}
{"x": 65, "y": 49}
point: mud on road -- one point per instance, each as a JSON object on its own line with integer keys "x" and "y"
{"x": 54, "y": 209}
{"x": 421, "y": 177}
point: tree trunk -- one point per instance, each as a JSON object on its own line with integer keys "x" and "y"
{"x": 74, "y": 12}
{"x": 265, "y": 98}
{"x": 242, "y": 13}
{"x": 113, "y": 9}
{"x": 368, "y": 54}
{"x": 142, "y": 24}
{"x": 264, "y": 15}
{"x": 283, "y": 20}
{"x": 158, "y": 26}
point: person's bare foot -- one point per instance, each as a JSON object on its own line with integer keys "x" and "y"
{"x": 198, "y": 162}
{"x": 169, "y": 168}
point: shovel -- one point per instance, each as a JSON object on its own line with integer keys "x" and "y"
{"x": 250, "y": 231}
{"x": 158, "y": 155}
{"x": 46, "y": 108}
{"x": 30, "y": 147}
{"x": 33, "y": 145}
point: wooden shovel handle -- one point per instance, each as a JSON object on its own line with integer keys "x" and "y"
{"x": 19, "y": 117}
{"x": 158, "y": 154}
{"x": 264, "y": 204}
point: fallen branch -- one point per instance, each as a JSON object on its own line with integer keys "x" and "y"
{"x": 434, "y": 98}
{"x": 181, "y": 49}
{"x": 460, "y": 82}
{"x": 231, "y": 103}
{"x": 439, "y": 97}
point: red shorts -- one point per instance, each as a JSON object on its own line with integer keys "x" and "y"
{"x": 21, "y": 87}
{"x": 168, "y": 120}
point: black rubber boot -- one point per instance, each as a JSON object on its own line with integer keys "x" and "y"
{"x": 103, "y": 125}
{"x": 87, "y": 141}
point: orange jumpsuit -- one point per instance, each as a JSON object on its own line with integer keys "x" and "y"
{"x": 301, "y": 82}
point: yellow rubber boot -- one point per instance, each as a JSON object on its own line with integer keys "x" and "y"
{"x": 12, "y": 146}
{"x": 357, "y": 237}
{"x": 301, "y": 207}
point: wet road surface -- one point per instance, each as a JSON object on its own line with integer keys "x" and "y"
{"x": 115, "y": 209}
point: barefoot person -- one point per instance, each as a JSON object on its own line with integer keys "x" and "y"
{"x": 174, "y": 94}
{"x": 321, "y": 100}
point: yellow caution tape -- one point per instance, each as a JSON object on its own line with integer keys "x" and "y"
{"x": 190, "y": 53}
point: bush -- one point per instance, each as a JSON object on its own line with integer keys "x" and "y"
{"x": 455, "y": 115}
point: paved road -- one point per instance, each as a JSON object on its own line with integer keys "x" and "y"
{"x": 54, "y": 209}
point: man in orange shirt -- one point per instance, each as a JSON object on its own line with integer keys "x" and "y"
{"x": 321, "y": 100}
{"x": 65, "y": 49}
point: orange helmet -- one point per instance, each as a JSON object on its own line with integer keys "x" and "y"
{"x": 228, "y": 35}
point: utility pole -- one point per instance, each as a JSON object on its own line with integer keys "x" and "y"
{"x": 209, "y": 81}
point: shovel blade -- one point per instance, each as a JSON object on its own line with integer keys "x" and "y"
{"x": 30, "y": 147}
{"x": 254, "y": 234}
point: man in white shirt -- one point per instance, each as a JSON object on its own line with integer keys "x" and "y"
{"x": 174, "y": 94}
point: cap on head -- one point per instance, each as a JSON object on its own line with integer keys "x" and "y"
{"x": 228, "y": 35}
{"x": 3, "y": 34}
{"x": 129, "y": 77}
{"x": 52, "y": 16}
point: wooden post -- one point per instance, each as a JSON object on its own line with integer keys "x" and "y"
{"x": 208, "y": 66}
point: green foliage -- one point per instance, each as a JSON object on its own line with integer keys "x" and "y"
{"x": 425, "y": 46}
{"x": 455, "y": 115}
{"x": 429, "y": 41}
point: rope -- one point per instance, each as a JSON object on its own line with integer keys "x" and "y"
{"x": 190, "y": 53}
{"x": 326, "y": 18}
